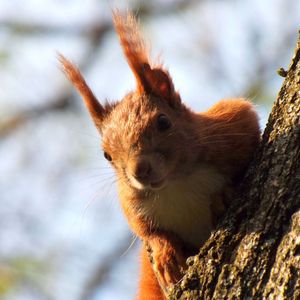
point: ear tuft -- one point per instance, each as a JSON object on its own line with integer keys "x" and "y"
{"x": 96, "y": 110}
{"x": 133, "y": 45}
{"x": 150, "y": 79}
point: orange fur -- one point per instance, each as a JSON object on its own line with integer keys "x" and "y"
{"x": 173, "y": 171}
{"x": 237, "y": 118}
{"x": 133, "y": 44}
{"x": 96, "y": 110}
{"x": 149, "y": 288}
{"x": 150, "y": 78}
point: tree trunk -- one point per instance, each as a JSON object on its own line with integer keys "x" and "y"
{"x": 255, "y": 251}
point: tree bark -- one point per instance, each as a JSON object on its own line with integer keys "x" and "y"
{"x": 255, "y": 252}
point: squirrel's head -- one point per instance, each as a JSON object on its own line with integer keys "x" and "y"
{"x": 143, "y": 135}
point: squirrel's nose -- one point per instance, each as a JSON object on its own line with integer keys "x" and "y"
{"x": 142, "y": 169}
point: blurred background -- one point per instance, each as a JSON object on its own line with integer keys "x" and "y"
{"x": 62, "y": 233}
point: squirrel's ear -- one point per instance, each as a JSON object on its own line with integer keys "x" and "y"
{"x": 159, "y": 83}
{"x": 96, "y": 110}
{"x": 152, "y": 80}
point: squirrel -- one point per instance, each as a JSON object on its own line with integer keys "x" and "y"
{"x": 173, "y": 165}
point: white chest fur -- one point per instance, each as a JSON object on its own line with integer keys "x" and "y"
{"x": 183, "y": 207}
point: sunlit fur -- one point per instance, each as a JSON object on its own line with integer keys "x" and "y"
{"x": 133, "y": 44}
{"x": 149, "y": 287}
{"x": 196, "y": 159}
{"x": 183, "y": 206}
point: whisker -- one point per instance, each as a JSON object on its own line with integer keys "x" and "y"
{"x": 130, "y": 246}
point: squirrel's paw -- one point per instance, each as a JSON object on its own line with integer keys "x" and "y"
{"x": 168, "y": 263}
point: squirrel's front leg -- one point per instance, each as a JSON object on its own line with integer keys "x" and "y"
{"x": 167, "y": 257}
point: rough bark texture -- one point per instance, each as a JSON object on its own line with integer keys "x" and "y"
{"x": 255, "y": 251}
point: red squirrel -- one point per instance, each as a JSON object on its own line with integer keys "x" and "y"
{"x": 173, "y": 165}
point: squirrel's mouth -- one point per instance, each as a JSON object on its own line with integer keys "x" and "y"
{"x": 154, "y": 183}
{"x": 150, "y": 185}
{"x": 157, "y": 184}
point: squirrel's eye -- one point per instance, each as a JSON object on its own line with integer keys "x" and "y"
{"x": 163, "y": 123}
{"x": 107, "y": 156}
